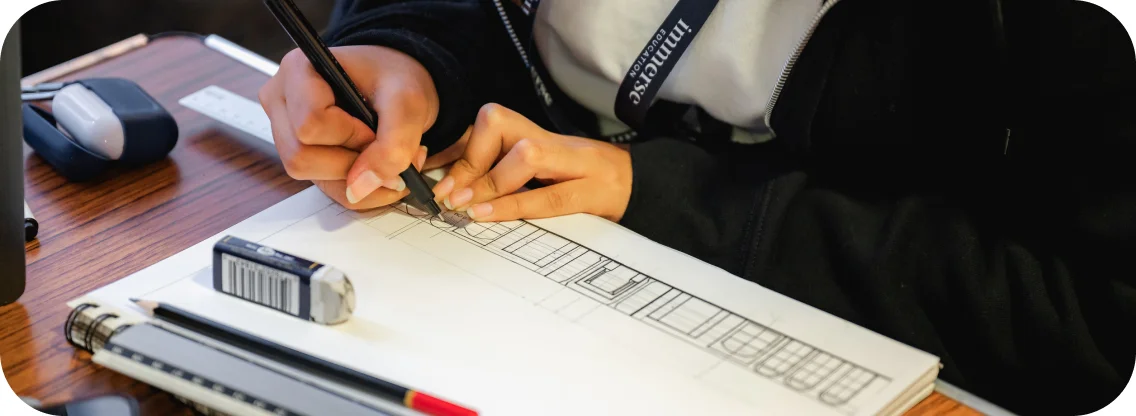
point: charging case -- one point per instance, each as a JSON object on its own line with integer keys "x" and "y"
{"x": 95, "y": 124}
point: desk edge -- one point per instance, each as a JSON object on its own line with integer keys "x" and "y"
{"x": 213, "y": 41}
{"x": 241, "y": 54}
{"x": 86, "y": 60}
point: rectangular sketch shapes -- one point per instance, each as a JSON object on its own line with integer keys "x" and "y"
{"x": 848, "y": 385}
{"x": 593, "y": 280}
{"x": 636, "y": 299}
{"x": 747, "y": 342}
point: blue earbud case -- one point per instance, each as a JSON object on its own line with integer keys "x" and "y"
{"x": 98, "y": 114}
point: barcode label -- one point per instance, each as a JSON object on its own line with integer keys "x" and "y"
{"x": 261, "y": 284}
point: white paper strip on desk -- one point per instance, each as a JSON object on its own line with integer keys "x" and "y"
{"x": 572, "y": 315}
{"x": 232, "y": 109}
{"x": 244, "y": 114}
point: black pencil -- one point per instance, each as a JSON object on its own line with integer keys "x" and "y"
{"x": 410, "y": 398}
{"x": 347, "y": 95}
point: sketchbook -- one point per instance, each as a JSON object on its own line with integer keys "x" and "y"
{"x": 570, "y": 315}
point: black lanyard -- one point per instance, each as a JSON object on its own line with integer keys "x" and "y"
{"x": 643, "y": 79}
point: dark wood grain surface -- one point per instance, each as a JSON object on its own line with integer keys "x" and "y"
{"x": 95, "y": 233}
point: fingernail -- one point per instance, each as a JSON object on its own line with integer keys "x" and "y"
{"x": 365, "y": 184}
{"x": 459, "y": 198}
{"x": 480, "y": 211}
{"x": 444, "y": 187}
{"x": 396, "y": 184}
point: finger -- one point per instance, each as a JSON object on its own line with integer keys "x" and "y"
{"x": 450, "y": 154}
{"x": 560, "y": 199}
{"x": 271, "y": 92}
{"x": 421, "y": 159}
{"x": 402, "y": 117}
{"x": 337, "y": 190}
{"x": 494, "y": 133}
{"x": 506, "y": 177}
{"x": 551, "y": 159}
{"x": 305, "y": 162}
{"x": 315, "y": 118}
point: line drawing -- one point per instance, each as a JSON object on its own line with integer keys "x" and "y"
{"x": 798, "y": 366}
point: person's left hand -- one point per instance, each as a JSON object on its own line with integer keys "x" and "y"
{"x": 582, "y": 175}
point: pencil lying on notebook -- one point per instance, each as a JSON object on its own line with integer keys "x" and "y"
{"x": 410, "y": 398}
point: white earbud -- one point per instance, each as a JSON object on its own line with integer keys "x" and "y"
{"x": 88, "y": 120}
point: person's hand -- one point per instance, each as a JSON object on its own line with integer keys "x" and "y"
{"x": 320, "y": 142}
{"x": 582, "y": 175}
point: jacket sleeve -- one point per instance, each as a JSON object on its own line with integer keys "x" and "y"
{"x": 1024, "y": 286}
{"x": 1015, "y": 271}
{"x": 455, "y": 40}
{"x": 706, "y": 204}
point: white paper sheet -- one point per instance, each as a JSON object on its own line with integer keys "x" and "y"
{"x": 573, "y": 315}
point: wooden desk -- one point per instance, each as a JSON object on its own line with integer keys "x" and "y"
{"x": 95, "y": 233}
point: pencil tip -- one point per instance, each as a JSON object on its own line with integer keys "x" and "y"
{"x": 135, "y": 300}
{"x": 433, "y": 208}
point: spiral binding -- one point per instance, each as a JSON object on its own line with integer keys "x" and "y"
{"x": 87, "y": 333}
{"x": 91, "y": 329}
{"x": 91, "y": 333}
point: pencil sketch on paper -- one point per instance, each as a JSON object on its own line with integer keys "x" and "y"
{"x": 764, "y": 352}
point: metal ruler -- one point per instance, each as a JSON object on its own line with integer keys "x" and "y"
{"x": 232, "y": 109}
{"x": 220, "y": 378}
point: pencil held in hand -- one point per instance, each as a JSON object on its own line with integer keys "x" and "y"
{"x": 387, "y": 161}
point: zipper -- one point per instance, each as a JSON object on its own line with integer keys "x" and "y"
{"x": 788, "y": 68}
{"x": 512, "y": 33}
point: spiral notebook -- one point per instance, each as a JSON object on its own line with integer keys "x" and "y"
{"x": 571, "y": 315}
{"x": 212, "y": 377}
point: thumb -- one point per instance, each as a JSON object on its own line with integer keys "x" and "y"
{"x": 402, "y": 119}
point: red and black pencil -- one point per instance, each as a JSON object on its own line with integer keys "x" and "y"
{"x": 410, "y": 398}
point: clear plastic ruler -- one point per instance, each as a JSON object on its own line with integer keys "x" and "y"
{"x": 244, "y": 114}
{"x": 232, "y": 109}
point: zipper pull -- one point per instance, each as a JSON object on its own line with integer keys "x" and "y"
{"x": 1006, "y": 146}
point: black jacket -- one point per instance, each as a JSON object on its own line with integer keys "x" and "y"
{"x": 954, "y": 175}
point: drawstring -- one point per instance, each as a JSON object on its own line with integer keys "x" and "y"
{"x": 1001, "y": 46}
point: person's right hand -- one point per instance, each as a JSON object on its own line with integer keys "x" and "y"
{"x": 320, "y": 142}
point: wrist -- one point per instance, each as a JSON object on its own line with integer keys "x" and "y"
{"x": 616, "y": 185}
{"x": 625, "y": 175}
